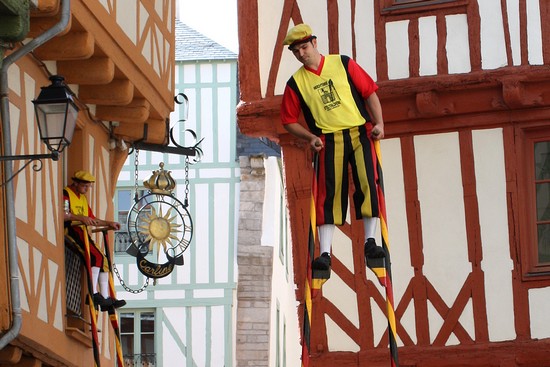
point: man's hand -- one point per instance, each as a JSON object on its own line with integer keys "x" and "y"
{"x": 316, "y": 144}
{"x": 377, "y": 132}
{"x": 301, "y": 132}
{"x": 87, "y": 220}
{"x": 114, "y": 225}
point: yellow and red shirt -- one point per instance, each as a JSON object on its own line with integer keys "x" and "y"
{"x": 332, "y": 98}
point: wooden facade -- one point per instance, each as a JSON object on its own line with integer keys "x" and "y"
{"x": 117, "y": 57}
{"x": 463, "y": 86}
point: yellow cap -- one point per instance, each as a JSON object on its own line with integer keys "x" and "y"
{"x": 84, "y": 176}
{"x": 300, "y": 32}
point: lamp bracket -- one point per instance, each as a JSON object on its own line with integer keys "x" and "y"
{"x": 37, "y": 158}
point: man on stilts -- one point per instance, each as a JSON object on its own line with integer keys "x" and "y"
{"x": 344, "y": 118}
{"x": 77, "y": 210}
{"x": 331, "y": 92}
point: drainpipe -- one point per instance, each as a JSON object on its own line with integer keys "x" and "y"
{"x": 15, "y": 328}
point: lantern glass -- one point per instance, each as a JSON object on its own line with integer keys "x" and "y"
{"x": 56, "y": 115}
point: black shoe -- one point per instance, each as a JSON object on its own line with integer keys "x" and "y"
{"x": 100, "y": 301}
{"x": 322, "y": 262}
{"x": 118, "y": 303}
{"x": 372, "y": 250}
{"x": 320, "y": 269}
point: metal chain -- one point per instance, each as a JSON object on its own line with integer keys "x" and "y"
{"x": 136, "y": 174}
{"x": 127, "y": 288}
{"x": 186, "y": 201}
{"x": 136, "y": 199}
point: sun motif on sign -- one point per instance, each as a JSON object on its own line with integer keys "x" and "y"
{"x": 159, "y": 229}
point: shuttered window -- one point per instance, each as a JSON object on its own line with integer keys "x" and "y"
{"x": 541, "y": 151}
{"x": 403, "y": 6}
{"x": 533, "y": 214}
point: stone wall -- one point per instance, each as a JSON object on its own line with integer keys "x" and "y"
{"x": 255, "y": 266}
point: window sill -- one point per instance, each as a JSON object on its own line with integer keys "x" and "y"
{"x": 419, "y": 7}
{"x": 79, "y": 335}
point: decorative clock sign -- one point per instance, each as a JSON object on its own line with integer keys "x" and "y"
{"x": 159, "y": 224}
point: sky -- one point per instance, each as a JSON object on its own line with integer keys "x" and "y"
{"x": 216, "y": 19}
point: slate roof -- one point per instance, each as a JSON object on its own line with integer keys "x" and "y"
{"x": 193, "y": 46}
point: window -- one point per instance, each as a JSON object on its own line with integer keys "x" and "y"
{"x": 404, "y": 6}
{"x": 533, "y": 165}
{"x": 282, "y": 229}
{"x": 542, "y": 199}
{"x": 137, "y": 337}
{"x": 278, "y": 337}
{"x": 124, "y": 201}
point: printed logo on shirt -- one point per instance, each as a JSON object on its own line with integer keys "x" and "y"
{"x": 78, "y": 210}
{"x": 329, "y": 95}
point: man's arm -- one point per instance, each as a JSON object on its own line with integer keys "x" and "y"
{"x": 301, "y": 132}
{"x": 367, "y": 88}
{"x": 89, "y": 221}
{"x": 375, "y": 111}
{"x": 106, "y": 223}
{"x": 290, "y": 112}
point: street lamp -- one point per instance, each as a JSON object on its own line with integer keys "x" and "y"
{"x": 56, "y": 115}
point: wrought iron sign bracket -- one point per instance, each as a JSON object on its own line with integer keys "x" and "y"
{"x": 178, "y": 149}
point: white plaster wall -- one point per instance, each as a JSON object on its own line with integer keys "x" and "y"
{"x": 343, "y": 297}
{"x": 364, "y": 37}
{"x": 267, "y": 39}
{"x": 443, "y": 223}
{"x": 512, "y": 7}
{"x": 427, "y": 34}
{"x": 282, "y": 286}
{"x": 539, "y": 304}
{"x": 127, "y": 19}
{"x": 534, "y": 33}
{"x": 398, "y": 229}
{"x": 192, "y": 331}
{"x": 493, "y": 215}
{"x": 345, "y": 30}
{"x": 397, "y": 48}
{"x": 457, "y": 45}
{"x": 493, "y": 44}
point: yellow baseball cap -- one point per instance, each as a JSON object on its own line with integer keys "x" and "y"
{"x": 298, "y": 34}
{"x": 84, "y": 176}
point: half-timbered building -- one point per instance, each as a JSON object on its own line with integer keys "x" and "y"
{"x": 463, "y": 86}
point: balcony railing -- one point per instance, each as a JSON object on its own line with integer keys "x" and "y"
{"x": 122, "y": 241}
{"x": 73, "y": 274}
{"x": 140, "y": 360}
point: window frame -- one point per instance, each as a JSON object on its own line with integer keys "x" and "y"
{"x": 137, "y": 333}
{"x": 415, "y": 6}
{"x": 531, "y": 269}
{"x": 123, "y": 231}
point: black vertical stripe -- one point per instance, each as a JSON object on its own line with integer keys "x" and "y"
{"x": 330, "y": 177}
{"x": 348, "y": 153}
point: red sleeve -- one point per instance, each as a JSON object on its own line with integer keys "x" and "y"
{"x": 290, "y": 107}
{"x": 91, "y": 213}
{"x": 362, "y": 81}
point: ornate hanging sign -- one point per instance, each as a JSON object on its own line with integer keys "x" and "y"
{"x": 160, "y": 224}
